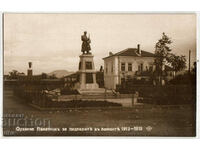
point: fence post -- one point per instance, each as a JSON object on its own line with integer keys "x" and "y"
{"x": 105, "y": 96}
{"x": 132, "y": 99}
{"x": 75, "y": 96}
{"x": 135, "y": 98}
{"x": 175, "y": 93}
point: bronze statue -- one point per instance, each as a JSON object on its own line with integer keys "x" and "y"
{"x": 30, "y": 64}
{"x": 86, "y": 43}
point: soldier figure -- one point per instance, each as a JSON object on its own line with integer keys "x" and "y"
{"x": 30, "y": 64}
{"x": 86, "y": 43}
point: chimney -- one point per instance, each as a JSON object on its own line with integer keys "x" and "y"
{"x": 138, "y": 49}
{"x": 110, "y": 53}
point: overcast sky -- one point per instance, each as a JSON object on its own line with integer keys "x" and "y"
{"x": 52, "y": 41}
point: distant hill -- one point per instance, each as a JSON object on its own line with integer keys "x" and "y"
{"x": 60, "y": 73}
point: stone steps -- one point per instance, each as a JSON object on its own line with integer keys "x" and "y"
{"x": 99, "y": 91}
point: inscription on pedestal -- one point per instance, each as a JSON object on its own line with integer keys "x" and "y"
{"x": 89, "y": 78}
{"x": 88, "y": 65}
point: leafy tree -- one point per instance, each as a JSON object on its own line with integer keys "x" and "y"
{"x": 193, "y": 75}
{"x": 44, "y": 76}
{"x": 101, "y": 69}
{"x": 13, "y": 74}
{"x": 162, "y": 50}
{"x": 164, "y": 55}
{"x": 194, "y": 68}
{"x": 53, "y": 76}
{"x": 178, "y": 62}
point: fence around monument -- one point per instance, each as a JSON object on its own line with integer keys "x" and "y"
{"x": 149, "y": 94}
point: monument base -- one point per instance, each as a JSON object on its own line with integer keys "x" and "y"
{"x": 86, "y": 86}
{"x": 86, "y": 73}
{"x": 97, "y": 91}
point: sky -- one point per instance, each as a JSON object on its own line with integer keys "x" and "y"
{"x": 53, "y": 41}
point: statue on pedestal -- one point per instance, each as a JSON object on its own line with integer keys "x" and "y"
{"x": 86, "y": 73}
{"x": 85, "y": 44}
{"x": 30, "y": 64}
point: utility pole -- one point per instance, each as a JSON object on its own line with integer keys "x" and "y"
{"x": 189, "y": 60}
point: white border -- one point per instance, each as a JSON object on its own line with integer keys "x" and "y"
{"x": 108, "y": 137}
{"x": 1, "y": 75}
{"x": 198, "y": 75}
{"x": 101, "y": 5}
{"x": 134, "y": 137}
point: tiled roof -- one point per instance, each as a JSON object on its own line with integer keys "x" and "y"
{"x": 133, "y": 52}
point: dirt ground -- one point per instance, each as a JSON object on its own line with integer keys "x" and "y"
{"x": 148, "y": 120}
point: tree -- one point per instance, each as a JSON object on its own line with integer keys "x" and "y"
{"x": 44, "y": 76}
{"x": 178, "y": 62}
{"x": 13, "y": 74}
{"x": 53, "y": 76}
{"x": 194, "y": 68}
{"x": 162, "y": 50}
{"x": 101, "y": 69}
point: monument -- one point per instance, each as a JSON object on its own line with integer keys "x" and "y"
{"x": 86, "y": 72}
{"x": 29, "y": 71}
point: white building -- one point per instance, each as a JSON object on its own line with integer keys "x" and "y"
{"x": 128, "y": 62}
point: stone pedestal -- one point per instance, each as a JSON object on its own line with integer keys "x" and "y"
{"x": 29, "y": 72}
{"x": 87, "y": 73}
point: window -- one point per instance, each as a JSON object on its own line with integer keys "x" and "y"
{"x": 78, "y": 78}
{"x": 106, "y": 68}
{"x": 140, "y": 67}
{"x": 89, "y": 78}
{"x": 88, "y": 65}
{"x": 122, "y": 80}
{"x": 151, "y": 68}
{"x": 129, "y": 66}
{"x": 122, "y": 66}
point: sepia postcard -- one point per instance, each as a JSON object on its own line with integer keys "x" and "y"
{"x": 99, "y": 74}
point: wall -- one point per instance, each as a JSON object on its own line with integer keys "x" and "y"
{"x": 111, "y": 72}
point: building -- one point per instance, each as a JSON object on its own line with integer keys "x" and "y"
{"x": 127, "y": 63}
{"x": 70, "y": 80}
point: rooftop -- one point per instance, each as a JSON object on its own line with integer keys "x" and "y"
{"x": 132, "y": 52}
